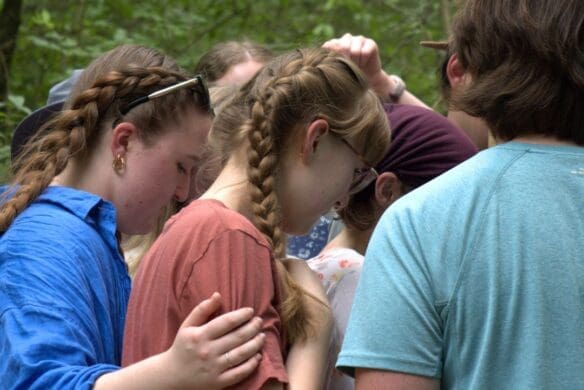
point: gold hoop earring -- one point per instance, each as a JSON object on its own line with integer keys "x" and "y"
{"x": 119, "y": 163}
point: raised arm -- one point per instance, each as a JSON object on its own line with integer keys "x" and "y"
{"x": 364, "y": 52}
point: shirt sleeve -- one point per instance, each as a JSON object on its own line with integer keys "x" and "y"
{"x": 42, "y": 348}
{"x": 242, "y": 270}
{"x": 50, "y": 336}
{"x": 395, "y": 323}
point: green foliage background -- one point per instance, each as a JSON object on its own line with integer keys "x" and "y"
{"x": 57, "y": 36}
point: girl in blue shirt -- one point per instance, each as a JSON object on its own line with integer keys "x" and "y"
{"x": 125, "y": 145}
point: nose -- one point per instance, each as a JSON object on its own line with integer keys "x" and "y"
{"x": 181, "y": 192}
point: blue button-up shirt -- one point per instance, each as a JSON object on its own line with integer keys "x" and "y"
{"x": 64, "y": 290}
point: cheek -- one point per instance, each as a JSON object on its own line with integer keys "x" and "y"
{"x": 153, "y": 183}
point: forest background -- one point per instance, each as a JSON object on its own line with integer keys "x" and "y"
{"x": 42, "y": 41}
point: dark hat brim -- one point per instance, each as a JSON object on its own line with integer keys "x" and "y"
{"x": 30, "y": 125}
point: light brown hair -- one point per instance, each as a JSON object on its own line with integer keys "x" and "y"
{"x": 107, "y": 85}
{"x": 527, "y": 65}
{"x": 215, "y": 63}
{"x": 265, "y": 116}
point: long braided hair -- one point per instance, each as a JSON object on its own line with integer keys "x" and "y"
{"x": 106, "y": 86}
{"x": 265, "y": 116}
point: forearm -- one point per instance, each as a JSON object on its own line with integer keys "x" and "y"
{"x": 384, "y": 86}
{"x": 150, "y": 373}
{"x": 307, "y": 361}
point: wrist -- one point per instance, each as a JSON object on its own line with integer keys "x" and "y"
{"x": 397, "y": 88}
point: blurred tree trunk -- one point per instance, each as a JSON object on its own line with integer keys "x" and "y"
{"x": 9, "y": 23}
{"x": 446, "y": 17}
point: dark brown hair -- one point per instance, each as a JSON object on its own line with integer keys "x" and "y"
{"x": 527, "y": 64}
{"x": 266, "y": 116}
{"x": 442, "y": 73}
{"x": 106, "y": 86}
{"x": 215, "y": 63}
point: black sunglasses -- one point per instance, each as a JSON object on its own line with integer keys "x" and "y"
{"x": 196, "y": 82}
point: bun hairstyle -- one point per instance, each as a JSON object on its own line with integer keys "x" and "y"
{"x": 269, "y": 114}
{"x": 108, "y": 85}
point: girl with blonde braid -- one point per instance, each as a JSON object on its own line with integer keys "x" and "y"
{"x": 293, "y": 145}
{"x": 122, "y": 148}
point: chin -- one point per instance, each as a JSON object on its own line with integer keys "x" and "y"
{"x": 297, "y": 229}
{"x": 135, "y": 229}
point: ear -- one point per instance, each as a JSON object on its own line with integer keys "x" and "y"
{"x": 314, "y": 133}
{"x": 387, "y": 189}
{"x": 455, "y": 72}
{"x": 122, "y": 136}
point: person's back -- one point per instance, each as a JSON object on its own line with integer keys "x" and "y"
{"x": 480, "y": 272}
{"x": 506, "y": 286}
{"x": 514, "y": 310}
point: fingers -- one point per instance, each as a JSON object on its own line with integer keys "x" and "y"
{"x": 201, "y": 313}
{"x": 361, "y": 50}
{"x": 240, "y": 336}
{"x": 356, "y": 50}
{"x": 238, "y": 373}
{"x": 229, "y": 322}
{"x": 243, "y": 352}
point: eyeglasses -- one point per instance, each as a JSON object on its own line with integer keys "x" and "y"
{"x": 196, "y": 81}
{"x": 362, "y": 177}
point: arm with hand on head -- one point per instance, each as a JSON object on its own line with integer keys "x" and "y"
{"x": 364, "y": 52}
{"x": 210, "y": 355}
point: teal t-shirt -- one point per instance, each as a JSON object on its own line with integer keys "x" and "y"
{"x": 477, "y": 278}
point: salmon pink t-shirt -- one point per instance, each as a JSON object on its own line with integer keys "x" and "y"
{"x": 205, "y": 248}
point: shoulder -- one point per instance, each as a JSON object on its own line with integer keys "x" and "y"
{"x": 469, "y": 183}
{"x": 208, "y": 219}
{"x": 206, "y": 234}
{"x": 334, "y": 264}
{"x": 48, "y": 231}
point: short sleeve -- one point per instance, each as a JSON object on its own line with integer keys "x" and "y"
{"x": 395, "y": 323}
{"x": 242, "y": 270}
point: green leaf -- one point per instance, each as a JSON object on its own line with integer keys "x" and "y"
{"x": 18, "y": 103}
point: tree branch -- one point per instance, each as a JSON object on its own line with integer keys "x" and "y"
{"x": 9, "y": 24}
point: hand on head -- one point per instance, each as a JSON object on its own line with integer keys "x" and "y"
{"x": 364, "y": 52}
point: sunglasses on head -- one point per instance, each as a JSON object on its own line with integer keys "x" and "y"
{"x": 197, "y": 83}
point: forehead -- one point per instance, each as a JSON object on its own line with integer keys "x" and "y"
{"x": 189, "y": 129}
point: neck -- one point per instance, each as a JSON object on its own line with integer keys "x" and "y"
{"x": 352, "y": 239}
{"x": 542, "y": 140}
{"x": 232, "y": 188}
{"x": 84, "y": 177}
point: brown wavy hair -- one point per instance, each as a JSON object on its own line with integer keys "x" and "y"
{"x": 527, "y": 64}
{"x": 215, "y": 63}
{"x": 265, "y": 116}
{"x": 106, "y": 86}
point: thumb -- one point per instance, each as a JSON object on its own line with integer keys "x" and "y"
{"x": 203, "y": 311}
